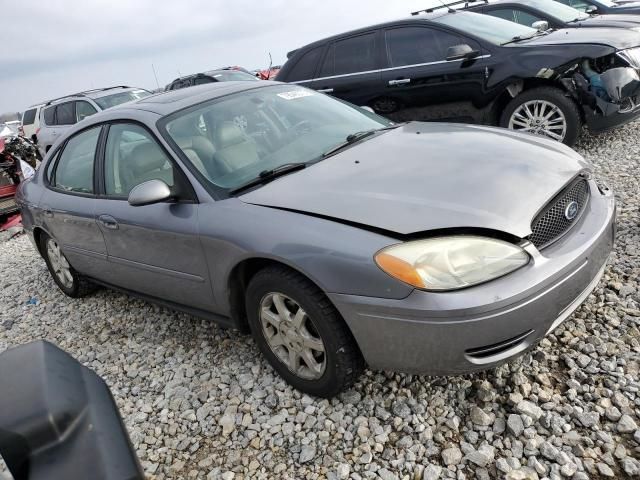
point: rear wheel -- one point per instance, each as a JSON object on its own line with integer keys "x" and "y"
{"x": 385, "y": 105}
{"x": 68, "y": 280}
{"x": 544, "y": 111}
{"x": 301, "y": 334}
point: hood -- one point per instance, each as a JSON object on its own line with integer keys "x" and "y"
{"x": 425, "y": 176}
{"x": 618, "y": 38}
{"x": 617, "y": 21}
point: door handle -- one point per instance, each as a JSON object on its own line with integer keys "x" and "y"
{"x": 108, "y": 221}
{"x": 399, "y": 82}
{"x": 326, "y": 90}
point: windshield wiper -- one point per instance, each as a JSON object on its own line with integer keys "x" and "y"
{"x": 355, "y": 137}
{"x": 266, "y": 176}
{"x": 520, "y": 38}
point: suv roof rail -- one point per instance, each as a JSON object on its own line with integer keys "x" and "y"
{"x": 83, "y": 93}
{"x": 448, "y": 5}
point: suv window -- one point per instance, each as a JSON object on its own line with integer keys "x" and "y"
{"x": 65, "y": 114}
{"x": 203, "y": 80}
{"x": 84, "y": 109}
{"x": 416, "y": 45}
{"x": 356, "y": 54}
{"x": 74, "y": 171}
{"x": 50, "y": 115}
{"x": 306, "y": 65}
{"x": 29, "y": 117}
{"x": 133, "y": 157}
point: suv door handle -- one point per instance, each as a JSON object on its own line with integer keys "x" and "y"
{"x": 399, "y": 82}
{"x": 108, "y": 221}
{"x": 326, "y": 90}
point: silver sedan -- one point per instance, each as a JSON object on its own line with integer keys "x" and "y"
{"x": 337, "y": 238}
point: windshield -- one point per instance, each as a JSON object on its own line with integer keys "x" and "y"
{"x": 233, "y": 75}
{"x": 562, "y": 12}
{"x": 109, "y": 101}
{"x": 230, "y": 141}
{"x": 492, "y": 29}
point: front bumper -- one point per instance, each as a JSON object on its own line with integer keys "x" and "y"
{"x": 481, "y": 327}
{"x": 610, "y": 119}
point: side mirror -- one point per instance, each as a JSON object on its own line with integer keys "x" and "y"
{"x": 461, "y": 52}
{"x": 147, "y": 193}
{"x": 591, "y": 10}
{"x": 58, "y": 419}
{"x": 541, "y": 25}
{"x": 368, "y": 109}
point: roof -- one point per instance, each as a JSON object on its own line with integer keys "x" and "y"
{"x": 94, "y": 93}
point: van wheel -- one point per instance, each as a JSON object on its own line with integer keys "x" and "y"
{"x": 544, "y": 111}
{"x": 301, "y": 333}
{"x": 68, "y": 280}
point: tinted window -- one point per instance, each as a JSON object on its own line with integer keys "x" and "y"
{"x": 84, "y": 110}
{"x": 133, "y": 157}
{"x": 65, "y": 114}
{"x": 29, "y": 117}
{"x": 203, "y": 80}
{"x": 74, "y": 172}
{"x": 415, "y": 45}
{"x": 525, "y": 18}
{"x": 305, "y": 68}
{"x": 109, "y": 101}
{"x": 491, "y": 29}
{"x": 505, "y": 13}
{"x": 49, "y": 115}
{"x": 356, "y": 54}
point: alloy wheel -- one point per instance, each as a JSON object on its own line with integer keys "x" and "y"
{"x": 292, "y": 336}
{"x": 541, "y": 118}
{"x": 59, "y": 264}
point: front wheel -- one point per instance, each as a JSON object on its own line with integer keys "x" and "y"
{"x": 301, "y": 334}
{"x": 68, "y": 280}
{"x": 544, "y": 111}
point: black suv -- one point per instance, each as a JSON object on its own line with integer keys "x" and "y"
{"x": 557, "y": 15}
{"x": 212, "y": 76}
{"x": 464, "y": 66}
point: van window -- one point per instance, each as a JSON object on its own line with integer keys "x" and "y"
{"x": 306, "y": 66}
{"x": 29, "y": 117}
{"x": 356, "y": 54}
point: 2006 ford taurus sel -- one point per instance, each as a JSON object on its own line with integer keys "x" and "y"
{"x": 337, "y": 238}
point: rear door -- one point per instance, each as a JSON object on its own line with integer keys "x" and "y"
{"x": 351, "y": 69}
{"x": 152, "y": 249}
{"x": 421, "y": 84}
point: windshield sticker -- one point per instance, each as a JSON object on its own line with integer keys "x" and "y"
{"x": 292, "y": 95}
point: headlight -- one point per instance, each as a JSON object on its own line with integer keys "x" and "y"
{"x": 450, "y": 263}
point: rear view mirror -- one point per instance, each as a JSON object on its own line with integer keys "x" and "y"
{"x": 147, "y": 193}
{"x": 461, "y": 52}
{"x": 58, "y": 419}
{"x": 541, "y": 25}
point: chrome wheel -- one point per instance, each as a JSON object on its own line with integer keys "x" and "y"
{"x": 292, "y": 336}
{"x": 59, "y": 264}
{"x": 541, "y": 118}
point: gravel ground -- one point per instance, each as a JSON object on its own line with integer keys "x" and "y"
{"x": 200, "y": 402}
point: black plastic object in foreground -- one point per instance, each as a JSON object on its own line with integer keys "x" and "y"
{"x": 58, "y": 419}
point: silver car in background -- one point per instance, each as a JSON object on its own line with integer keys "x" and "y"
{"x": 337, "y": 238}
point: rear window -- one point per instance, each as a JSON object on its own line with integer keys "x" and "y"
{"x": 306, "y": 66}
{"x": 29, "y": 117}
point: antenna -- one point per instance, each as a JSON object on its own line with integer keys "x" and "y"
{"x": 449, "y": 9}
{"x": 270, "y": 65}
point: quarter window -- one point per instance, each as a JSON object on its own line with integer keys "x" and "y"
{"x": 74, "y": 171}
{"x": 50, "y": 115}
{"x": 65, "y": 114}
{"x": 352, "y": 55}
{"x": 84, "y": 110}
{"x": 416, "y": 45}
{"x": 132, "y": 157}
{"x": 305, "y": 68}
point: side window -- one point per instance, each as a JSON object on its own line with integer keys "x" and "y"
{"x": 504, "y": 13}
{"x": 577, "y": 4}
{"x": 65, "y": 114}
{"x": 356, "y": 54}
{"x": 133, "y": 157}
{"x": 305, "y": 68}
{"x": 49, "y": 115}
{"x": 84, "y": 110}
{"x": 415, "y": 45}
{"x": 203, "y": 80}
{"x": 74, "y": 171}
{"x": 526, "y": 18}
{"x": 29, "y": 117}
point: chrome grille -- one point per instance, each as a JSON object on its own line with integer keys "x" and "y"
{"x": 551, "y": 223}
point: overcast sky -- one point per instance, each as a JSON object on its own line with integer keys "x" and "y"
{"x": 56, "y": 47}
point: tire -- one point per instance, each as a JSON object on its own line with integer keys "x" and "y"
{"x": 342, "y": 364}
{"x": 73, "y": 285}
{"x": 551, "y": 97}
{"x": 385, "y": 105}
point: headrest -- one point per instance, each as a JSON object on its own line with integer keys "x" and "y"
{"x": 229, "y": 134}
{"x": 184, "y": 127}
{"x": 147, "y": 157}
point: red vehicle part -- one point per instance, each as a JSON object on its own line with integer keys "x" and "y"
{"x": 10, "y": 177}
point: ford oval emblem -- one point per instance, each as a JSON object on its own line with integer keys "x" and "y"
{"x": 571, "y": 212}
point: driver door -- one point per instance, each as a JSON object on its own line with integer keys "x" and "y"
{"x": 153, "y": 249}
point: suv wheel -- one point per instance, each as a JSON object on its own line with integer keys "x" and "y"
{"x": 385, "y": 105}
{"x": 68, "y": 280}
{"x": 301, "y": 334}
{"x": 545, "y": 111}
